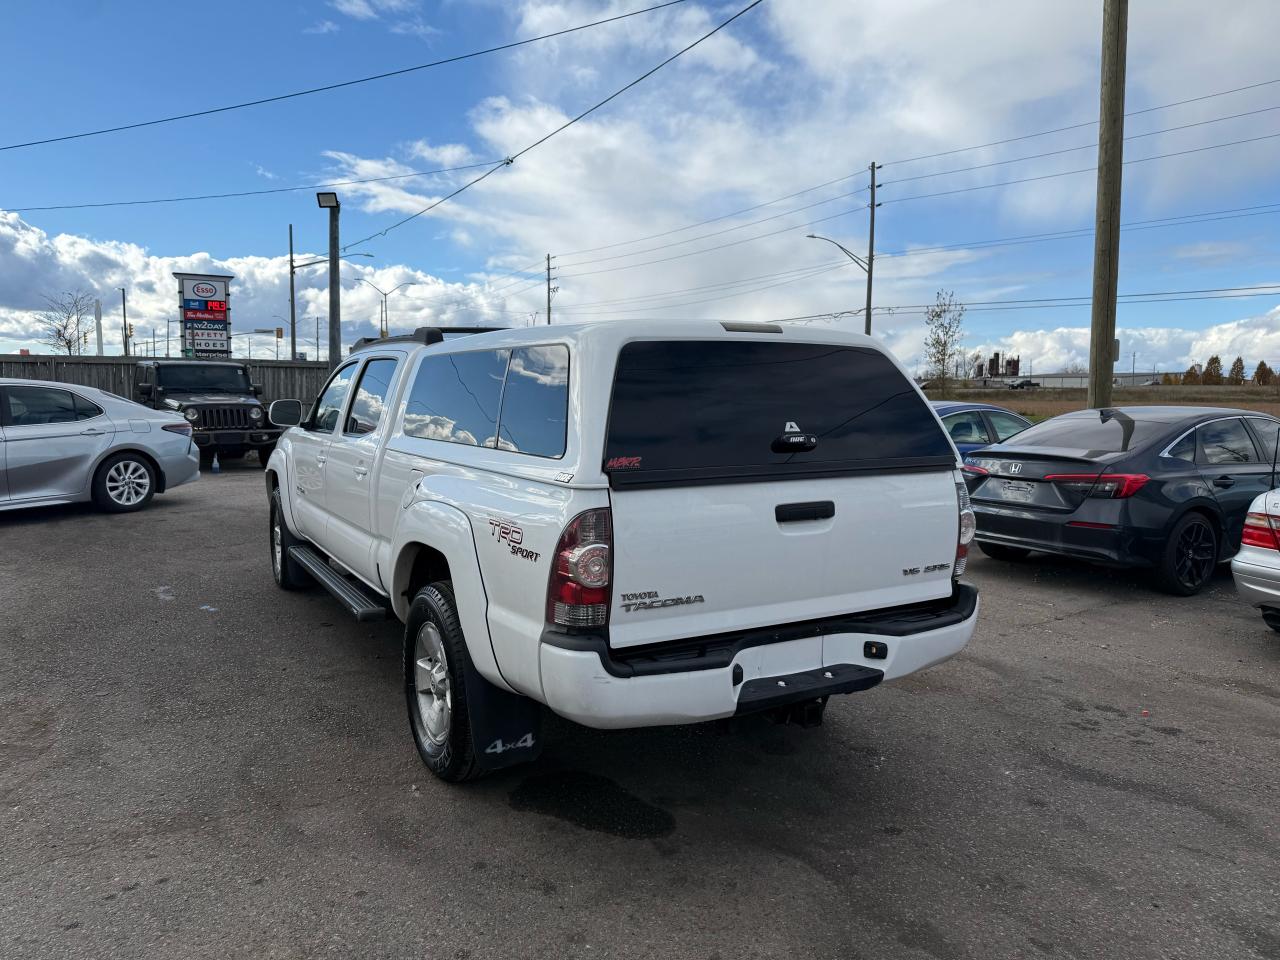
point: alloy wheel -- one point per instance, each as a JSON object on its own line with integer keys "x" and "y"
{"x": 431, "y": 684}
{"x": 1194, "y": 554}
{"x": 128, "y": 483}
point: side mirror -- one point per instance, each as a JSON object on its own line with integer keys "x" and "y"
{"x": 285, "y": 413}
{"x": 256, "y": 388}
{"x": 145, "y": 389}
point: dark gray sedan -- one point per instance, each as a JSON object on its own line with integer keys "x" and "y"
{"x": 64, "y": 443}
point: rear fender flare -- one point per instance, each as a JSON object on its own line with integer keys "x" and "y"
{"x": 447, "y": 529}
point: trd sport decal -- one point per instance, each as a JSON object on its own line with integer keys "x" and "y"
{"x": 513, "y": 537}
{"x": 649, "y": 600}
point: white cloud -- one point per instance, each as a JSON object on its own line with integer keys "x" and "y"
{"x": 322, "y": 27}
{"x": 372, "y": 9}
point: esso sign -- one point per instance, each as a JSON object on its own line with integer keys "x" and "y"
{"x": 204, "y": 290}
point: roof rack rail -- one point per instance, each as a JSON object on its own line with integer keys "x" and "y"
{"x": 426, "y": 335}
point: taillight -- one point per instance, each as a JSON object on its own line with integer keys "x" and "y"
{"x": 1261, "y": 530}
{"x": 1108, "y": 486}
{"x": 968, "y": 527}
{"x": 578, "y": 594}
{"x": 182, "y": 428}
{"x": 974, "y": 470}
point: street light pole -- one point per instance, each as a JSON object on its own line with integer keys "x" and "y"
{"x": 124, "y": 320}
{"x": 329, "y": 201}
{"x": 384, "y": 319}
{"x": 864, "y": 264}
{"x": 293, "y": 316}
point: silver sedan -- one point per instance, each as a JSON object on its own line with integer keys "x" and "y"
{"x": 1256, "y": 566}
{"x": 64, "y": 443}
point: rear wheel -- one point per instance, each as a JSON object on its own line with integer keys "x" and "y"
{"x": 288, "y": 573}
{"x": 123, "y": 483}
{"x": 997, "y": 551}
{"x": 436, "y": 664}
{"x": 1190, "y": 556}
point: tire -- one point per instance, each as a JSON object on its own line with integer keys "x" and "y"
{"x": 997, "y": 551}
{"x": 123, "y": 483}
{"x": 436, "y": 664}
{"x": 287, "y": 572}
{"x": 1190, "y": 556}
{"x": 264, "y": 454}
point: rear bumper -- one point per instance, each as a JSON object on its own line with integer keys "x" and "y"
{"x": 1117, "y": 545}
{"x": 181, "y": 468}
{"x": 1257, "y": 584}
{"x": 706, "y": 679}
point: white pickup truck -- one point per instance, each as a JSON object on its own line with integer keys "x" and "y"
{"x": 630, "y": 523}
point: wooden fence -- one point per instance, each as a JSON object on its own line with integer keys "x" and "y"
{"x": 280, "y": 379}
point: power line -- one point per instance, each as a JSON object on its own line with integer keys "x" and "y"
{"x": 1208, "y": 216}
{"x": 714, "y": 233}
{"x": 253, "y": 193}
{"x": 719, "y": 246}
{"x": 340, "y": 85}
{"x": 1067, "y": 173}
{"x": 1083, "y": 146}
{"x": 1086, "y": 123}
{"x": 564, "y": 126}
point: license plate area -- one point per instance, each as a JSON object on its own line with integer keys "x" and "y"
{"x": 1017, "y": 491}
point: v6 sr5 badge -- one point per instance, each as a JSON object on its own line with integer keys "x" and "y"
{"x": 512, "y": 536}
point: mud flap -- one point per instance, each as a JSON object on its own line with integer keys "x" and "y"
{"x": 506, "y": 728}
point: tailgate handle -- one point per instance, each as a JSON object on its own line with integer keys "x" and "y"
{"x": 814, "y": 510}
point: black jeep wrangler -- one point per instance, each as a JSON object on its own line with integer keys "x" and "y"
{"x": 217, "y": 398}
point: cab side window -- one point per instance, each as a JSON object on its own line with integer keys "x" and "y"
{"x": 33, "y": 406}
{"x": 1226, "y": 442}
{"x": 1005, "y": 425}
{"x": 334, "y": 396}
{"x": 535, "y": 403}
{"x": 455, "y": 397}
{"x": 369, "y": 406}
{"x": 967, "y": 427}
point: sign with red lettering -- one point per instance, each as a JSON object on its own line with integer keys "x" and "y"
{"x": 204, "y": 314}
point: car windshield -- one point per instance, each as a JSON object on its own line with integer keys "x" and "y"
{"x": 1102, "y": 431}
{"x": 202, "y": 377}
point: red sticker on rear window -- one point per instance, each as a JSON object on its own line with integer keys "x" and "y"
{"x": 622, "y": 463}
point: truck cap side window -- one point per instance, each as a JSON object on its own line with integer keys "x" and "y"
{"x": 535, "y": 403}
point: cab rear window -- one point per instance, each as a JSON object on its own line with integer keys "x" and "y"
{"x": 719, "y": 411}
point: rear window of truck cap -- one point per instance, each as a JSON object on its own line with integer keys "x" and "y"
{"x": 708, "y": 411}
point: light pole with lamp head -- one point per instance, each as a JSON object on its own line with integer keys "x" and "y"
{"x": 384, "y": 322}
{"x": 329, "y": 201}
{"x": 864, "y": 264}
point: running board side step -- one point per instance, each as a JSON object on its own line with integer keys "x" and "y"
{"x": 360, "y": 602}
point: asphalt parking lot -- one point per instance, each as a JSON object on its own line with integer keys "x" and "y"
{"x": 195, "y": 764}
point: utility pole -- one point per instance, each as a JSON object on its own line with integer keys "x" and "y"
{"x": 871, "y": 246}
{"x": 317, "y": 337}
{"x": 335, "y": 291}
{"x": 124, "y": 321}
{"x": 1106, "y": 237}
{"x": 293, "y": 314}
{"x": 97, "y": 322}
{"x": 548, "y": 289}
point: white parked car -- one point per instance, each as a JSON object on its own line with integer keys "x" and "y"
{"x": 64, "y": 443}
{"x": 1256, "y": 566}
{"x": 631, "y": 523}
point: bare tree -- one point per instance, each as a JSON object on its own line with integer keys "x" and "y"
{"x": 1076, "y": 369}
{"x": 944, "y": 325}
{"x": 66, "y": 320}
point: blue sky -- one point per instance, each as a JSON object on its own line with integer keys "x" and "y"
{"x": 792, "y": 95}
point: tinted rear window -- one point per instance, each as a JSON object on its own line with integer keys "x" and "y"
{"x": 694, "y": 410}
{"x": 1105, "y": 431}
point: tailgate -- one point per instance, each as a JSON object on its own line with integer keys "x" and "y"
{"x": 703, "y": 560}
{"x": 763, "y": 481}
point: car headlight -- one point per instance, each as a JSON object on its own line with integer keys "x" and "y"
{"x": 192, "y": 414}
{"x": 255, "y": 413}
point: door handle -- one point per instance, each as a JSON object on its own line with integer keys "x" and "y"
{"x": 92, "y": 432}
{"x": 321, "y": 459}
{"x": 362, "y": 472}
{"x": 1223, "y": 482}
